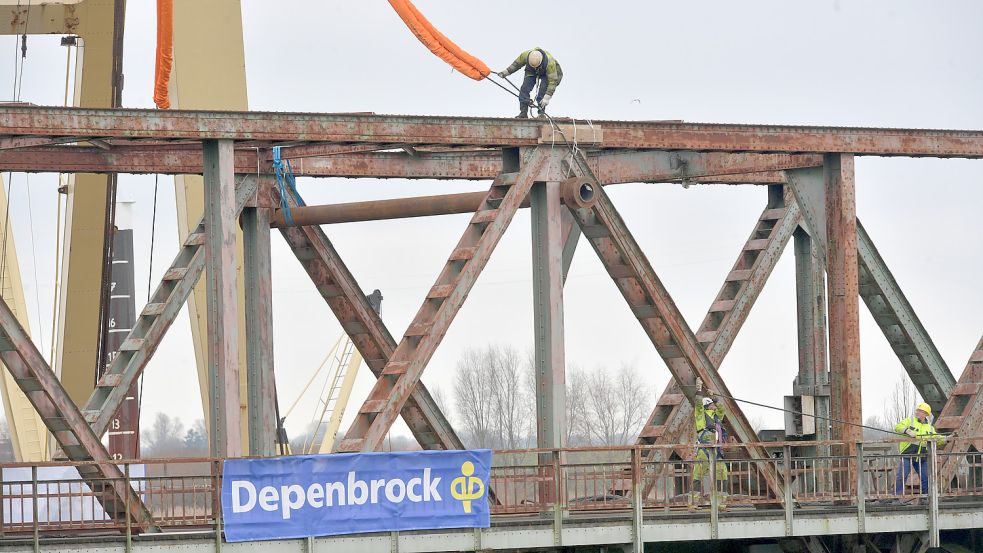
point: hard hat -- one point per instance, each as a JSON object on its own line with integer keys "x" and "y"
{"x": 925, "y": 407}
{"x": 535, "y": 59}
{"x": 707, "y": 401}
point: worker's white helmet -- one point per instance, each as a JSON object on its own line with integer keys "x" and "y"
{"x": 535, "y": 59}
{"x": 707, "y": 401}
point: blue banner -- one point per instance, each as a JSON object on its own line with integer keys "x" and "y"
{"x": 347, "y": 493}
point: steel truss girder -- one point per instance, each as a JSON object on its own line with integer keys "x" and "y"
{"x": 613, "y": 167}
{"x": 157, "y": 316}
{"x": 672, "y": 416}
{"x": 363, "y": 325}
{"x": 661, "y": 319}
{"x": 64, "y": 420}
{"x": 403, "y": 370}
{"x": 428, "y": 130}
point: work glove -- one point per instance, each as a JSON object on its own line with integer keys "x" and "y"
{"x": 502, "y": 74}
{"x": 544, "y": 102}
{"x": 699, "y": 384}
{"x": 910, "y": 432}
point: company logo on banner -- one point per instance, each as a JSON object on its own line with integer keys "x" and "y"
{"x": 324, "y": 495}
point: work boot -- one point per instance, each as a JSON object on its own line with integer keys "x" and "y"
{"x": 693, "y": 501}
{"x": 523, "y": 113}
{"x": 542, "y": 114}
{"x": 721, "y": 501}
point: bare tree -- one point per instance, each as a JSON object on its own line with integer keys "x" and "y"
{"x": 440, "y": 398}
{"x": 165, "y": 438}
{"x": 902, "y": 402}
{"x": 635, "y": 403}
{"x": 577, "y": 408}
{"x": 473, "y": 398}
{"x": 509, "y": 397}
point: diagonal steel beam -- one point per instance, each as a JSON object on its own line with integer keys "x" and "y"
{"x": 901, "y": 326}
{"x": 153, "y": 322}
{"x": 651, "y": 303}
{"x": 671, "y": 419}
{"x": 364, "y": 326}
{"x": 443, "y": 302}
{"x": 65, "y": 422}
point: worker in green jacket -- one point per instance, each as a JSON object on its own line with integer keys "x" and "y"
{"x": 540, "y": 67}
{"x": 914, "y": 456}
{"x": 709, "y": 417}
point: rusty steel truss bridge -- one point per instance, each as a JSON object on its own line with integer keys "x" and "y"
{"x": 558, "y": 169}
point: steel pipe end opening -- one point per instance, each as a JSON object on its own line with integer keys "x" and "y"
{"x": 579, "y": 192}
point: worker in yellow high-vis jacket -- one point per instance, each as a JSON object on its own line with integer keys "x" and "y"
{"x": 540, "y": 67}
{"x": 709, "y": 426}
{"x": 914, "y": 455}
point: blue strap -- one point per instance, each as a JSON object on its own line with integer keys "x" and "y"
{"x": 286, "y": 182}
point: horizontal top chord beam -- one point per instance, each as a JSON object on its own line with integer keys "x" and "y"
{"x": 59, "y": 122}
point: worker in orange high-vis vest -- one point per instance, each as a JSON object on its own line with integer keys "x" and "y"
{"x": 914, "y": 455}
{"x": 542, "y": 68}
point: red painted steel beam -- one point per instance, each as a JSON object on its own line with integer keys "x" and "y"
{"x": 429, "y": 130}
{"x": 616, "y": 167}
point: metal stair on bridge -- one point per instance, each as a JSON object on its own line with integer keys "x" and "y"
{"x": 363, "y": 325}
{"x": 443, "y": 301}
{"x": 671, "y": 419}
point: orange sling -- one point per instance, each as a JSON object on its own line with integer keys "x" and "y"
{"x": 439, "y": 44}
{"x": 165, "y": 52}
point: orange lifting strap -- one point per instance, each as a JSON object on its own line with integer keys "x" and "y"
{"x": 165, "y": 52}
{"x": 439, "y": 44}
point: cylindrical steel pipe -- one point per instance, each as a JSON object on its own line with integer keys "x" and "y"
{"x": 399, "y": 208}
{"x": 420, "y": 206}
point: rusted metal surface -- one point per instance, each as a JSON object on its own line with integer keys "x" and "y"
{"x": 69, "y": 428}
{"x": 548, "y": 344}
{"x": 672, "y": 418}
{"x": 843, "y": 298}
{"x": 260, "y": 383}
{"x": 414, "y": 130}
{"x": 343, "y": 295}
{"x": 182, "y": 158}
{"x": 810, "y": 297}
{"x": 665, "y": 326}
{"x": 220, "y": 281}
{"x": 404, "y": 368}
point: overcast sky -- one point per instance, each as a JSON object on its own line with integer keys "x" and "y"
{"x": 858, "y": 63}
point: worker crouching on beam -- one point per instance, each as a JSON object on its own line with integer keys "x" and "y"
{"x": 541, "y": 68}
{"x": 709, "y": 433}
{"x": 915, "y": 456}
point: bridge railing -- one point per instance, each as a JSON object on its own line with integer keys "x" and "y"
{"x": 184, "y": 494}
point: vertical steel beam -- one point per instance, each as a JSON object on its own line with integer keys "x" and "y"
{"x": 260, "y": 385}
{"x": 220, "y": 282}
{"x": 571, "y": 237}
{"x": 810, "y": 288}
{"x": 844, "y": 297}
{"x": 547, "y": 281}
